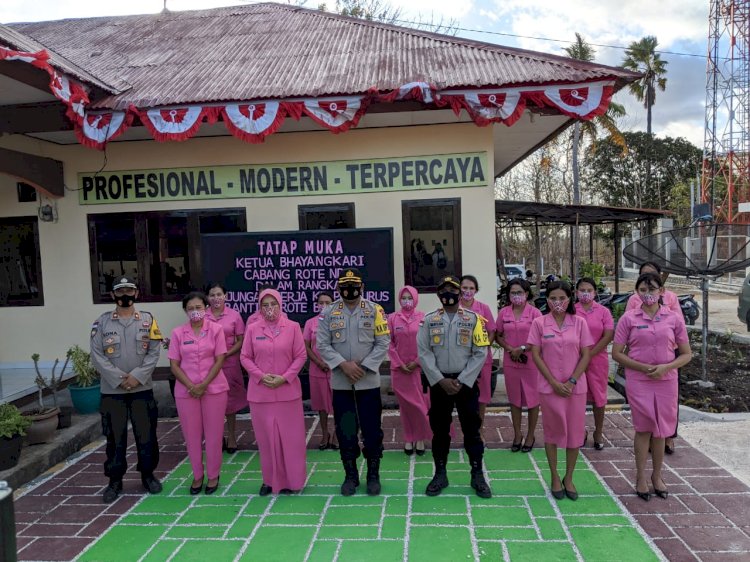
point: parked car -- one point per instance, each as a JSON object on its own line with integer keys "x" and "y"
{"x": 513, "y": 270}
{"x": 743, "y": 310}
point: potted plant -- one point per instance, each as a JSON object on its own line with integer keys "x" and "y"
{"x": 12, "y": 429}
{"x": 85, "y": 392}
{"x": 44, "y": 420}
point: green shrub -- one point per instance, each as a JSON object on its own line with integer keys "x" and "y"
{"x": 12, "y": 422}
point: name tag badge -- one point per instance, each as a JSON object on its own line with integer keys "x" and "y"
{"x": 260, "y": 337}
{"x": 641, "y": 327}
{"x": 548, "y": 336}
{"x": 188, "y": 342}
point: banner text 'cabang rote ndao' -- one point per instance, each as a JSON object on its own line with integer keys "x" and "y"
{"x": 288, "y": 179}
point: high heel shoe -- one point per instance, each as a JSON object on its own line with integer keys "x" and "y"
{"x": 645, "y": 496}
{"x": 197, "y": 490}
{"x": 515, "y": 447}
{"x": 527, "y": 448}
{"x": 558, "y": 494}
{"x": 663, "y": 494}
{"x": 419, "y": 451}
{"x": 211, "y": 489}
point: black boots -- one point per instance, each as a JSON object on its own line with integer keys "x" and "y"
{"x": 351, "y": 480}
{"x": 439, "y": 481}
{"x": 477, "y": 480}
{"x": 373, "y": 477}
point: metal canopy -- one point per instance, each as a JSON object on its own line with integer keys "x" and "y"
{"x": 551, "y": 213}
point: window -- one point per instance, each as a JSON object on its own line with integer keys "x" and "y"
{"x": 160, "y": 249}
{"x": 20, "y": 262}
{"x": 321, "y": 217}
{"x": 432, "y": 241}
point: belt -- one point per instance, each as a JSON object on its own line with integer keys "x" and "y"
{"x": 451, "y": 375}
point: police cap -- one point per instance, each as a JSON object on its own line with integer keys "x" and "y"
{"x": 350, "y": 276}
{"x": 124, "y": 283}
{"x": 451, "y": 280}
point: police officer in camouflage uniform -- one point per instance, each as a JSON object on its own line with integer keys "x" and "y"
{"x": 353, "y": 340}
{"x": 125, "y": 346}
{"x": 453, "y": 344}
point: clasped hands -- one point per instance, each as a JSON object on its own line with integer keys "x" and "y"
{"x": 450, "y": 386}
{"x": 352, "y": 370}
{"x": 656, "y": 371}
{"x": 408, "y": 368}
{"x": 272, "y": 381}
{"x": 129, "y": 382}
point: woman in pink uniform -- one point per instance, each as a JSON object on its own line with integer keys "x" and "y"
{"x": 651, "y": 333}
{"x": 602, "y": 328}
{"x": 273, "y": 354}
{"x": 561, "y": 344}
{"x": 321, "y": 396}
{"x": 196, "y": 354}
{"x": 231, "y": 322}
{"x": 513, "y": 325}
{"x": 405, "y": 371}
{"x": 469, "y": 288}
{"x": 670, "y": 300}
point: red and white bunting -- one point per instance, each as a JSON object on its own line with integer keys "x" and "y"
{"x": 176, "y": 123}
{"x": 419, "y": 91}
{"x": 38, "y": 59}
{"x": 492, "y": 106}
{"x": 97, "y": 129}
{"x": 253, "y": 122}
{"x": 583, "y": 101}
{"x": 336, "y": 114}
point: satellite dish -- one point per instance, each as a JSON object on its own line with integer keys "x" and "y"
{"x": 700, "y": 251}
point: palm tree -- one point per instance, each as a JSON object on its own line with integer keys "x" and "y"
{"x": 642, "y": 57}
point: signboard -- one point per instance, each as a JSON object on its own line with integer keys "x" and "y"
{"x": 300, "y": 264}
{"x": 278, "y": 180}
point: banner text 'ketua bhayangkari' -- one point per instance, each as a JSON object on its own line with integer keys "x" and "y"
{"x": 278, "y": 180}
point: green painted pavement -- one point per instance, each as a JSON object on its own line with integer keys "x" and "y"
{"x": 521, "y": 522}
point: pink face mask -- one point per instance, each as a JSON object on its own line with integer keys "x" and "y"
{"x": 407, "y": 304}
{"x": 649, "y": 299}
{"x": 197, "y": 315}
{"x": 585, "y": 298}
{"x": 468, "y": 294}
{"x": 518, "y": 300}
{"x": 216, "y": 302}
{"x": 559, "y": 306}
{"x": 271, "y": 314}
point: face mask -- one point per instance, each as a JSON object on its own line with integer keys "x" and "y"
{"x": 271, "y": 314}
{"x": 585, "y": 298}
{"x": 407, "y": 304}
{"x": 468, "y": 294}
{"x": 518, "y": 300}
{"x": 197, "y": 315}
{"x": 350, "y": 292}
{"x": 649, "y": 299}
{"x": 559, "y": 306}
{"x": 125, "y": 301}
{"x": 448, "y": 298}
{"x": 216, "y": 302}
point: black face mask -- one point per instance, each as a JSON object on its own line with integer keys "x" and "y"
{"x": 350, "y": 292}
{"x": 448, "y": 298}
{"x": 125, "y": 301}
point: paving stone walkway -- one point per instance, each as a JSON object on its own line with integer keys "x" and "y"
{"x": 707, "y": 516}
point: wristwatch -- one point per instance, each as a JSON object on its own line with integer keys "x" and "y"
{"x": 523, "y": 348}
{"x": 573, "y": 380}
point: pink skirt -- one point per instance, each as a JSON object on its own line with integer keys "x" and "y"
{"x": 279, "y": 429}
{"x": 237, "y": 395}
{"x": 485, "y": 381}
{"x": 653, "y": 406}
{"x": 412, "y": 405}
{"x": 321, "y": 396}
{"x": 564, "y": 420}
{"x": 520, "y": 385}
{"x": 597, "y": 377}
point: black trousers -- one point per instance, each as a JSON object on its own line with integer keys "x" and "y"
{"x": 466, "y": 401}
{"x": 355, "y": 410}
{"x": 140, "y": 409}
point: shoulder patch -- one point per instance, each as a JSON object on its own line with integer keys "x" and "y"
{"x": 155, "y": 333}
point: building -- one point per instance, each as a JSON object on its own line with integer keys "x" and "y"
{"x": 94, "y": 185}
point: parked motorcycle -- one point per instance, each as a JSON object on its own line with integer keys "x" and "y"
{"x": 688, "y": 304}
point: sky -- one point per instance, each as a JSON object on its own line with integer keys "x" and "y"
{"x": 681, "y": 27}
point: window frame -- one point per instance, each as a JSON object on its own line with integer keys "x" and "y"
{"x": 304, "y": 210}
{"x": 145, "y": 292}
{"x": 33, "y": 221}
{"x": 406, "y": 206}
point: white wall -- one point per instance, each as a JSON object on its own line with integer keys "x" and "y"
{"x": 66, "y": 317}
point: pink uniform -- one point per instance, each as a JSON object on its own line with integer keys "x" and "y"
{"x": 599, "y": 320}
{"x": 485, "y": 376}
{"x": 653, "y": 403}
{"x": 563, "y": 419}
{"x": 201, "y": 418}
{"x": 277, "y": 348}
{"x": 412, "y": 402}
{"x": 520, "y": 379}
{"x": 233, "y": 326}
{"x": 669, "y": 299}
{"x": 321, "y": 395}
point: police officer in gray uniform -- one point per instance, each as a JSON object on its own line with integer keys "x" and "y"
{"x": 353, "y": 339}
{"x": 453, "y": 344}
{"x": 125, "y": 346}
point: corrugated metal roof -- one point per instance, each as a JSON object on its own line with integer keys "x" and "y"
{"x": 270, "y": 50}
{"x": 17, "y": 41}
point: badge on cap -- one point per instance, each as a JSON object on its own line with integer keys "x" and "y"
{"x": 110, "y": 350}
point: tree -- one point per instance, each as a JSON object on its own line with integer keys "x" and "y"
{"x": 621, "y": 180}
{"x": 384, "y": 12}
{"x": 641, "y": 56}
